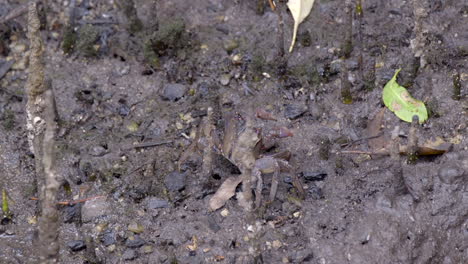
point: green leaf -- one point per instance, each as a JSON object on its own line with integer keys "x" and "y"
{"x": 5, "y": 207}
{"x": 399, "y": 101}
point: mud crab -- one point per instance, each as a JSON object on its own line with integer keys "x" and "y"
{"x": 243, "y": 144}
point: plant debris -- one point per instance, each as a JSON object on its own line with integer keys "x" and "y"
{"x": 399, "y": 101}
{"x": 300, "y": 9}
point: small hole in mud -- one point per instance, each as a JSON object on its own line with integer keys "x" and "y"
{"x": 408, "y": 237}
{"x": 216, "y": 176}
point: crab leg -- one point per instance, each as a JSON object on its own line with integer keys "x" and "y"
{"x": 274, "y": 182}
{"x": 257, "y": 175}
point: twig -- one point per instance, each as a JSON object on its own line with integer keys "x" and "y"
{"x": 72, "y": 202}
{"x": 412, "y": 150}
{"x": 272, "y": 5}
{"x": 149, "y": 144}
{"x": 360, "y": 139}
{"x": 19, "y": 11}
{"x": 42, "y": 126}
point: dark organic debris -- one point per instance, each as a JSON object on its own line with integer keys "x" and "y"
{"x": 293, "y": 111}
{"x": 314, "y": 175}
{"x": 315, "y": 192}
{"x": 76, "y": 245}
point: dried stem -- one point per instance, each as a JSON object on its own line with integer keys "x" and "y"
{"x": 412, "y": 150}
{"x": 42, "y": 126}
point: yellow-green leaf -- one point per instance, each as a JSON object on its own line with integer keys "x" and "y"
{"x": 5, "y": 207}
{"x": 400, "y": 102}
{"x": 300, "y": 9}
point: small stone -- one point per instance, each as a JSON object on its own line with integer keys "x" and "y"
{"x": 18, "y": 48}
{"x": 129, "y": 254}
{"x": 297, "y": 214}
{"x": 314, "y": 175}
{"x": 136, "y": 228}
{"x": 212, "y": 225}
{"x": 93, "y": 209}
{"x": 134, "y": 242}
{"x": 111, "y": 248}
{"x": 148, "y": 249}
{"x": 173, "y": 92}
{"x": 293, "y": 111}
{"x": 449, "y": 173}
{"x": 224, "y": 212}
{"x": 230, "y": 45}
{"x": 123, "y": 70}
{"x": 98, "y": 151}
{"x": 108, "y": 238}
{"x": 72, "y": 213}
{"x": 315, "y": 192}
{"x": 225, "y": 79}
{"x": 175, "y": 181}
{"x": 277, "y": 244}
{"x": 335, "y": 66}
{"x": 76, "y": 245}
{"x": 155, "y": 203}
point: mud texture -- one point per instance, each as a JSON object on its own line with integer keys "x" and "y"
{"x": 132, "y": 89}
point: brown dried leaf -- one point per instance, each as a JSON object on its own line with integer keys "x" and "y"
{"x": 431, "y": 147}
{"x": 374, "y": 129}
{"x": 224, "y": 193}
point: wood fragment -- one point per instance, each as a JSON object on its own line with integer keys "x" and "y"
{"x": 374, "y": 131}
{"x": 19, "y": 11}
{"x": 412, "y": 148}
{"x": 148, "y": 144}
{"x": 72, "y": 202}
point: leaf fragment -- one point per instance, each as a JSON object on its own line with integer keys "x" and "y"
{"x": 400, "y": 102}
{"x": 374, "y": 131}
{"x": 300, "y": 9}
{"x": 224, "y": 193}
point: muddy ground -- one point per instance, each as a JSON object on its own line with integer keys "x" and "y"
{"x": 115, "y": 91}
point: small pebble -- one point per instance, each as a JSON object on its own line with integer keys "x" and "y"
{"x": 93, "y": 209}
{"x": 108, "y": 238}
{"x": 449, "y": 173}
{"x": 224, "y": 212}
{"x": 225, "y": 79}
{"x": 230, "y": 45}
{"x": 173, "y": 91}
{"x": 293, "y": 111}
{"x": 212, "y": 225}
{"x": 148, "y": 249}
{"x": 315, "y": 192}
{"x": 136, "y": 228}
{"x": 98, "y": 151}
{"x": 175, "y": 181}
{"x": 134, "y": 242}
{"x": 155, "y": 203}
{"x": 129, "y": 254}
{"x": 76, "y": 245}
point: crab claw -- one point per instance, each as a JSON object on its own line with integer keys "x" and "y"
{"x": 262, "y": 114}
{"x": 281, "y": 132}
